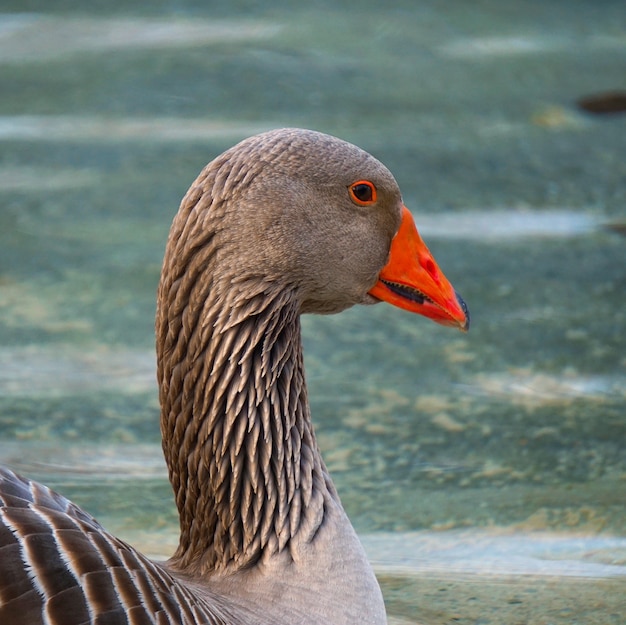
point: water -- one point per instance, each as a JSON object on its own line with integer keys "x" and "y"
{"x": 485, "y": 472}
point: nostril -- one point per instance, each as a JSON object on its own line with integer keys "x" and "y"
{"x": 432, "y": 270}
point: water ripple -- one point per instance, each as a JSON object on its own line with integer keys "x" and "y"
{"x": 503, "y": 224}
{"x": 31, "y": 37}
{"x": 95, "y": 128}
{"x": 496, "y": 552}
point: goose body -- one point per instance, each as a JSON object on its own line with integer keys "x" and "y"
{"x": 286, "y": 222}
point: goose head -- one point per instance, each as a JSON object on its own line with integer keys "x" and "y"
{"x": 308, "y": 212}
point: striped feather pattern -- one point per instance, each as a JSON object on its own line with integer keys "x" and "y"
{"x": 58, "y": 566}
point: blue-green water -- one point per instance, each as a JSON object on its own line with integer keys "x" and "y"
{"x": 449, "y": 450}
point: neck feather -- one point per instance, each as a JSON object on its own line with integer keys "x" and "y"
{"x": 237, "y": 435}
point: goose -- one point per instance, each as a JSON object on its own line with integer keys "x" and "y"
{"x": 287, "y": 222}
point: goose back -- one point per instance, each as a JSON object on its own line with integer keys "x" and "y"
{"x": 59, "y": 566}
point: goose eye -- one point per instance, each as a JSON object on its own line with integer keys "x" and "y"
{"x": 363, "y": 192}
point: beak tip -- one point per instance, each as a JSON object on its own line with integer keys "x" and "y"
{"x": 465, "y": 326}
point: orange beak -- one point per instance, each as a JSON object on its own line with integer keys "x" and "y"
{"x": 413, "y": 281}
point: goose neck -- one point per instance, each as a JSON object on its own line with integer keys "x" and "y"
{"x": 238, "y": 440}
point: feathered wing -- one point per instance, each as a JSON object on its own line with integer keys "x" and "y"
{"x": 58, "y": 566}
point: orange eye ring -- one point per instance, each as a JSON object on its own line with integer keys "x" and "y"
{"x": 362, "y": 192}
